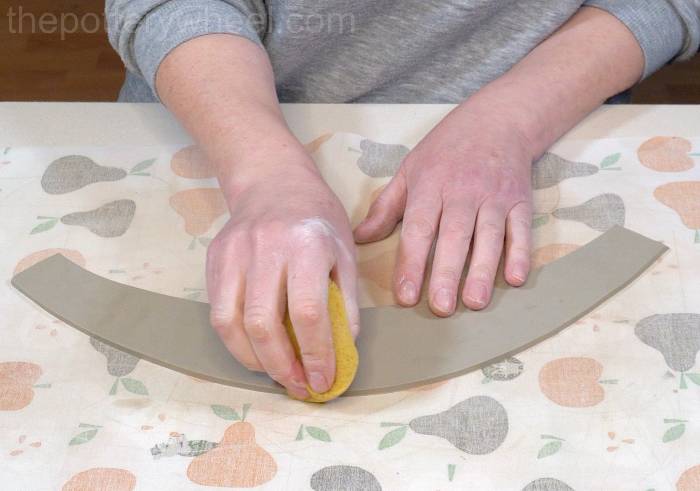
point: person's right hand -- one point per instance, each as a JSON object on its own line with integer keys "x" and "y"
{"x": 288, "y": 233}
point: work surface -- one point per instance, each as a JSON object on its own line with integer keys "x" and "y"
{"x": 612, "y": 402}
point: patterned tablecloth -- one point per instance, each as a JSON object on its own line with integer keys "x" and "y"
{"x": 613, "y": 402}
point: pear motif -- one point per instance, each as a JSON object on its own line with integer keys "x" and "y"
{"x": 199, "y": 207}
{"x": 503, "y": 370}
{"x": 119, "y": 363}
{"x": 547, "y": 484}
{"x": 477, "y": 425}
{"x": 666, "y": 154}
{"x": 74, "y": 172}
{"x": 380, "y": 159}
{"x": 109, "y": 220}
{"x": 551, "y": 169}
{"x": 16, "y": 381}
{"x": 35, "y": 257}
{"x": 675, "y": 336}
{"x": 572, "y": 381}
{"x": 601, "y": 213}
{"x": 345, "y": 478}
{"x": 237, "y": 461}
{"x": 101, "y": 479}
{"x": 689, "y": 480}
{"x": 684, "y": 198}
{"x": 190, "y": 162}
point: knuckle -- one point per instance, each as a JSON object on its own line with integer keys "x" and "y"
{"x": 522, "y": 222}
{"x": 267, "y": 231}
{"x": 483, "y": 272}
{"x": 257, "y": 324}
{"x": 458, "y": 227}
{"x": 309, "y": 313}
{"x": 447, "y": 274}
{"x": 419, "y": 227}
{"x": 220, "y": 320}
{"x": 258, "y": 331}
{"x": 491, "y": 231}
{"x": 315, "y": 360}
{"x": 520, "y": 251}
{"x": 408, "y": 269}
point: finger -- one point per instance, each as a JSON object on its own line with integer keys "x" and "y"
{"x": 488, "y": 245}
{"x": 417, "y": 235}
{"x": 454, "y": 236}
{"x": 307, "y": 286}
{"x": 384, "y": 213}
{"x": 345, "y": 276}
{"x": 518, "y": 244}
{"x": 226, "y": 288}
{"x": 262, "y": 320}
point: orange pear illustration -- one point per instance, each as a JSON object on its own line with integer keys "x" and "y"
{"x": 684, "y": 198}
{"x": 689, "y": 480}
{"x": 200, "y": 207}
{"x": 101, "y": 479}
{"x": 573, "y": 382}
{"x": 38, "y": 256}
{"x": 238, "y": 461}
{"x": 16, "y": 380}
{"x": 666, "y": 154}
{"x": 191, "y": 163}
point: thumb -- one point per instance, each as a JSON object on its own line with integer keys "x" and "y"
{"x": 384, "y": 213}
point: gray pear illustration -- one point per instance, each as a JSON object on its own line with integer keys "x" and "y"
{"x": 477, "y": 425}
{"x": 119, "y": 363}
{"x": 600, "y": 213}
{"x": 73, "y": 172}
{"x": 547, "y": 484}
{"x": 109, "y": 220}
{"x": 676, "y": 336}
{"x": 551, "y": 169}
{"x": 380, "y": 159}
{"x": 344, "y": 478}
{"x": 507, "y": 369}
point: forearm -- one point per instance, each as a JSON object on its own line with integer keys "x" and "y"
{"x": 221, "y": 88}
{"x": 590, "y": 58}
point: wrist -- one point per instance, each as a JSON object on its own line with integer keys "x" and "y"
{"x": 282, "y": 162}
{"x": 500, "y": 110}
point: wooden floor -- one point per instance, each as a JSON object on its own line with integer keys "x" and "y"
{"x": 83, "y": 67}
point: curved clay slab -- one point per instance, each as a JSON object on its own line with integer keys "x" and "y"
{"x": 399, "y": 348}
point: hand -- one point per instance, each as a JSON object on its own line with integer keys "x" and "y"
{"x": 468, "y": 178}
{"x": 287, "y": 234}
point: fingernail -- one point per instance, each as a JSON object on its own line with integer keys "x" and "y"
{"x": 477, "y": 294}
{"x": 318, "y": 382}
{"x": 408, "y": 292}
{"x": 518, "y": 276}
{"x": 444, "y": 300}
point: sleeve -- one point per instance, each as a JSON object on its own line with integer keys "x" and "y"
{"x": 667, "y": 30}
{"x": 143, "y": 32}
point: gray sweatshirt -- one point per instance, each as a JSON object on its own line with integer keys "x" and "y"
{"x": 394, "y": 51}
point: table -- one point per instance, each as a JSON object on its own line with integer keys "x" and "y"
{"x": 612, "y": 402}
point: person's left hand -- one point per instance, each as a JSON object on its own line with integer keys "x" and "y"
{"x": 468, "y": 178}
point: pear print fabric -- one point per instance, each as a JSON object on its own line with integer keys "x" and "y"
{"x": 612, "y": 402}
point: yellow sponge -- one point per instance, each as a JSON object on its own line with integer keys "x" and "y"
{"x": 346, "y": 356}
